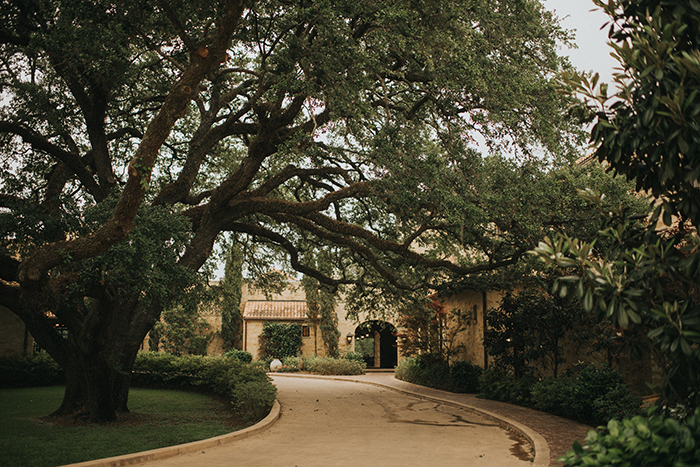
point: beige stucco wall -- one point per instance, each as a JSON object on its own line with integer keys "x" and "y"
{"x": 13, "y": 338}
{"x": 471, "y": 339}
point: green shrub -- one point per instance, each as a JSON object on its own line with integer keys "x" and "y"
{"x": 355, "y": 356}
{"x": 427, "y": 370}
{"x": 38, "y": 369}
{"x": 433, "y": 371}
{"x": 248, "y": 388}
{"x": 240, "y": 355}
{"x": 554, "y": 395}
{"x": 653, "y": 441}
{"x": 253, "y": 400}
{"x": 618, "y": 403}
{"x": 408, "y": 370}
{"x": 333, "y": 366}
{"x": 157, "y": 369}
{"x": 593, "y": 384}
{"x": 291, "y": 364}
{"x": 464, "y": 377}
{"x": 593, "y": 396}
{"x": 499, "y": 385}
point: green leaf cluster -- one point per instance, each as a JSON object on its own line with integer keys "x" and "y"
{"x": 648, "y": 128}
{"x": 640, "y": 441}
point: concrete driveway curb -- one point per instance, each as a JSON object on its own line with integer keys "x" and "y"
{"x": 171, "y": 451}
{"x": 539, "y": 444}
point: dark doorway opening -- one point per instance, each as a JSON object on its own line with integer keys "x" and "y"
{"x": 376, "y": 341}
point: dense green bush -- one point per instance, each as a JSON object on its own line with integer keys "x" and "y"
{"x": 651, "y": 441}
{"x": 250, "y": 391}
{"x": 554, "y": 395}
{"x": 356, "y": 356}
{"x": 435, "y": 370}
{"x": 38, "y": 369}
{"x": 333, "y": 366}
{"x": 432, "y": 371}
{"x": 240, "y": 355}
{"x": 499, "y": 385}
{"x": 427, "y": 370}
{"x": 407, "y": 370}
{"x": 464, "y": 377}
{"x": 593, "y": 396}
{"x": 292, "y": 364}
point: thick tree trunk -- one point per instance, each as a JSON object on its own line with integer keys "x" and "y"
{"x": 76, "y": 394}
{"x": 100, "y": 405}
{"x": 99, "y": 353}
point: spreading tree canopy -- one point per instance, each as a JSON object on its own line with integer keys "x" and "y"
{"x": 136, "y": 134}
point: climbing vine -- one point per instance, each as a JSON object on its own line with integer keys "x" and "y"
{"x": 280, "y": 340}
{"x": 321, "y": 302}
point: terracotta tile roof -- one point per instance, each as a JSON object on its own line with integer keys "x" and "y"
{"x": 272, "y": 310}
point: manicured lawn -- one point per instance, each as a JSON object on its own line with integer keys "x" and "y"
{"x": 159, "y": 418}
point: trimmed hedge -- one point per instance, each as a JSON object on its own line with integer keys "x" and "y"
{"x": 39, "y": 369}
{"x": 593, "y": 396}
{"x": 240, "y": 355}
{"x": 250, "y": 390}
{"x": 354, "y": 356}
{"x": 333, "y": 366}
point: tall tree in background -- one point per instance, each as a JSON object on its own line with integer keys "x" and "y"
{"x": 231, "y": 288}
{"x": 291, "y": 124}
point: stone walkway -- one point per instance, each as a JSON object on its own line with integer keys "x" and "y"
{"x": 559, "y": 433}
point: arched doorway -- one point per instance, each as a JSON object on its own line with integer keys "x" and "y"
{"x": 376, "y": 341}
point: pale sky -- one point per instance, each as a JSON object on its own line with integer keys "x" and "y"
{"x": 593, "y": 53}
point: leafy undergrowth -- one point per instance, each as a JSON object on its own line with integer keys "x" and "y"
{"x": 158, "y": 418}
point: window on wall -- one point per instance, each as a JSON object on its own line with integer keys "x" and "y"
{"x": 305, "y": 332}
{"x": 475, "y": 315}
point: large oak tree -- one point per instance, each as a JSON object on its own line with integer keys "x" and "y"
{"x": 135, "y": 134}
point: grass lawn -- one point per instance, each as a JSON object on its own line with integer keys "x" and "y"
{"x": 158, "y": 418}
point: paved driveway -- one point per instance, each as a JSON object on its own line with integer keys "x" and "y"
{"x": 332, "y": 423}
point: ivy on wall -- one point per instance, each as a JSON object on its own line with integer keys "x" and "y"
{"x": 321, "y": 308}
{"x": 280, "y": 340}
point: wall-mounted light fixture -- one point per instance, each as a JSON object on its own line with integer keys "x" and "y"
{"x": 349, "y": 337}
